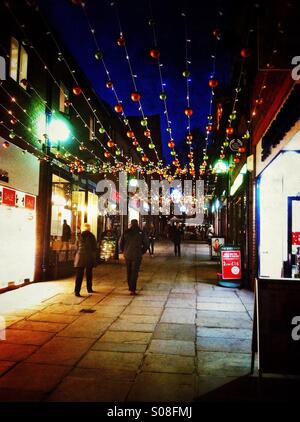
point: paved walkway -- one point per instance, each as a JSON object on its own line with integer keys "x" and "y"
{"x": 180, "y": 338}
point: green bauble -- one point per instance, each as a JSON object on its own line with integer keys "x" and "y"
{"x": 151, "y": 146}
{"x": 186, "y": 73}
{"x": 118, "y": 152}
{"x": 163, "y": 96}
{"x": 173, "y": 153}
{"x": 144, "y": 122}
{"x": 98, "y": 55}
{"x": 101, "y": 130}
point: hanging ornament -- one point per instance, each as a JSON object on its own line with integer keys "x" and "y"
{"x": 188, "y": 111}
{"x": 209, "y": 127}
{"x": 222, "y": 156}
{"x": 151, "y": 145}
{"x": 242, "y": 150}
{"x": 173, "y": 152}
{"x": 205, "y": 157}
{"x": 189, "y": 142}
{"x": 101, "y": 129}
{"x": 186, "y": 73}
{"x": 98, "y": 55}
{"x": 67, "y": 103}
{"x": 225, "y": 143}
{"x": 135, "y": 96}
{"x": 145, "y": 158}
{"x": 12, "y": 135}
{"x": 147, "y": 133}
{"x": 118, "y": 108}
{"x": 109, "y": 84}
{"x": 5, "y": 144}
{"x": 190, "y": 155}
{"x": 171, "y": 144}
{"x": 107, "y": 154}
{"x": 229, "y": 130}
{"x": 126, "y": 121}
{"x": 77, "y": 90}
{"x": 259, "y": 100}
{"x": 217, "y": 33}
{"x": 232, "y": 116}
{"x": 13, "y": 121}
{"x": 236, "y": 160}
{"x": 139, "y": 149}
{"x": 245, "y": 52}
{"x": 155, "y": 53}
{"x": 110, "y": 143}
{"x": 135, "y": 142}
{"x": 82, "y": 147}
{"x": 163, "y": 96}
{"x": 213, "y": 82}
{"x": 130, "y": 134}
{"x": 121, "y": 41}
{"x": 144, "y": 122}
{"x": 246, "y": 135}
{"x": 189, "y": 137}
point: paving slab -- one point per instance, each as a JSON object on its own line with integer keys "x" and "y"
{"x": 215, "y": 299}
{"x": 223, "y": 315}
{"x": 207, "y": 384}
{"x": 224, "y": 332}
{"x": 214, "y": 344}
{"x": 179, "y": 316}
{"x": 50, "y": 327}
{"x": 184, "y": 332}
{"x": 181, "y": 303}
{"x": 116, "y": 300}
{"x": 90, "y": 326}
{"x": 223, "y": 363}
{"x": 35, "y": 338}
{"x": 120, "y": 347}
{"x": 33, "y": 377}
{"x": 8, "y": 395}
{"x": 106, "y": 360}
{"x": 169, "y": 363}
{"x": 15, "y": 352}
{"x": 86, "y": 390}
{"x": 141, "y": 319}
{"x": 212, "y": 306}
{"x": 103, "y": 374}
{"x": 147, "y": 304}
{"x": 160, "y": 387}
{"x": 108, "y": 311}
{"x": 125, "y": 337}
{"x": 62, "y": 351}
{"x": 224, "y": 323}
{"x": 138, "y": 310}
{"x": 172, "y": 347}
{"x": 64, "y": 309}
{"x": 123, "y": 325}
{"x": 51, "y": 317}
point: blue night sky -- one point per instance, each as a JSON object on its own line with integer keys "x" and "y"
{"x": 69, "y": 23}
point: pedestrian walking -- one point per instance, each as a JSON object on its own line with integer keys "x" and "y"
{"x": 150, "y": 233}
{"x": 66, "y": 235}
{"x": 176, "y": 236}
{"x": 85, "y": 259}
{"x": 133, "y": 244}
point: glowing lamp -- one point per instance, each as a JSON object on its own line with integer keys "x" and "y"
{"x": 163, "y": 96}
{"x": 220, "y": 167}
{"x": 186, "y": 73}
{"x": 58, "y": 130}
{"x": 5, "y": 144}
{"x": 245, "y": 52}
{"x": 151, "y": 145}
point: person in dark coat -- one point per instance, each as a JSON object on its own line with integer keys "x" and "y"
{"x": 85, "y": 259}
{"x": 150, "y": 233}
{"x": 66, "y": 235}
{"x": 176, "y": 239}
{"x": 134, "y": 244}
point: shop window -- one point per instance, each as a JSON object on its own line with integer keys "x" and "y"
{"x": 18, "y": 65}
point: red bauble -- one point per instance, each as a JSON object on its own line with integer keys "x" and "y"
{"x": 77, "y": 90}
{"x": 242, "y": 150}
{"x": 145, "y": 158}
{"x": 147, "y": 133}
{"x": 245, "y": 52}
{"x": 135, "y": 96}
{"x": 188, "y": 111}
{"x": 5, "y": 144}
{"x": 109, "y": 84}
{"x": 130, "y": 134}
{"x": 229, "y": 130}
{"x": 155, "y": 53}
{"x": 213, "y": 82}
{"x": 209, "y": 127}
{"x": 189, "y": 137}
{"x": 110, "y": 143}
{"x": 121, "y": 41}
{"x": 107, "y": 154}
{"x": 171, "y": 144}
{"x": 118, "y": 108}
{"x": 236, "y": 160}
{"x": 135, "y": 143}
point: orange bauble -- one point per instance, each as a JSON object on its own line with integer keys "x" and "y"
{"x": 188, "y": 111}
{"x": 107, "y": 154}
{"x": 130, "y": 134}
{"x": 171, "y": 144}
{"x": 229, "y": 130}
{"x": 135, "y": 96}
{"x": 118, "y": 108}
{"x": 77, "y": 90}
{"x": 213, "y": 82}
{"x": 155, "y": 53}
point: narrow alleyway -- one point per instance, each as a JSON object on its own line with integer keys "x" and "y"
{"x": 179, "y": 338}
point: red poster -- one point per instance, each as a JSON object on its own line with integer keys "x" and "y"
{"x": 29, "y": 202}
{"x": 9, "y": 197}
{"x": 296, "y": 238}
{"x": 231, "y": 264}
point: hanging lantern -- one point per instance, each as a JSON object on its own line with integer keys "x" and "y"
{"x": 175, "y": 163}
{"x": 147, "y": 133}
{"x": 163, "y": 96}
{"x": 109, "y": 84}
{"x": 246, "y": 135}
{"x": 77, "y": 90}
{"x": 213, "y": 82}
{"x": 126, "y": 121}
{"x": 101, "y": 129}
{"x": 130, "y": 134}
{"x": 242, "y": 150}
{"x": 144, "y": 122}
{"x": 118, "y": 108}
{"x": 5, "y": 144}
{"x": 110, "y": 143}
{"x": 188, "y": 111}
{"x": 135, "y": 142}
{"x": 209, "y": 117}
{"x": 186, "y": 73}
{"x": 121, "y": 41}
{"x": 245, "y": 52}
{"x": 98, "y": 55}
{"x": 171, "y": 144}
{"x": 229, "y": 130}
{"x": 107, "y": 154}
{"x": 155, "y": 53}
{"x": 145, "y": 158}
{"x": 151, "y": 145}
{"x": 169, "y": 129}
{"x": 81, "y": 147}
{"x": 135, "y": 96}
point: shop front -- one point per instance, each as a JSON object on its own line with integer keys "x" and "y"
{"x": 17, "y": 216}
